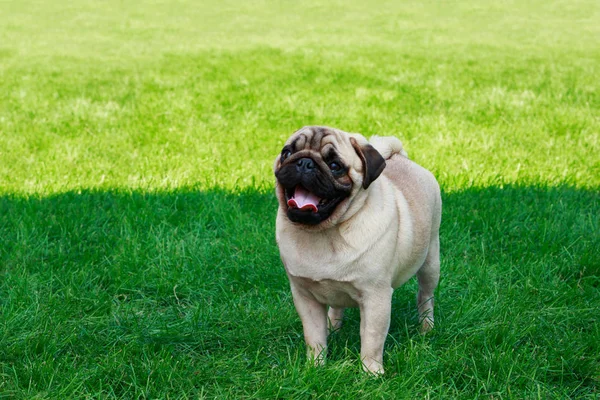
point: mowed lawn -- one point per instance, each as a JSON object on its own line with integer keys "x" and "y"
{"x": 137, "y": 250}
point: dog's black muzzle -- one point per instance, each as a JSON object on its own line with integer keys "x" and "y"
{"x": 309, "y": 174}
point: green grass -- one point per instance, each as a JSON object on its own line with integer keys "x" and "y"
{"x": 137, "y": 251}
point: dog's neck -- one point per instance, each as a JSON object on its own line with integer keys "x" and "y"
{"x": 361, "y": 201}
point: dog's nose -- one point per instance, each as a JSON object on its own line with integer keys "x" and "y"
{"x": 305, "y": 165}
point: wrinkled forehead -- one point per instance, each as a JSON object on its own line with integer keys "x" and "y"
{"x": 316, "y": 138}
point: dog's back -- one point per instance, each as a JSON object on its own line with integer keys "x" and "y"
{"x": 418, "y": 186}
{"x": 409, "y": 177}
{"x": 420, "y": 189}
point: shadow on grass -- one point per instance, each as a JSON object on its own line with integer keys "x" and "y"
{"x": 110, "y": 283}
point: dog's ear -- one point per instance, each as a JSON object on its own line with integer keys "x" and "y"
{"x": 373, "y": 162}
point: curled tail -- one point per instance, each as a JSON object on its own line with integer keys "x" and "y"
{"x": 387, "y": 146}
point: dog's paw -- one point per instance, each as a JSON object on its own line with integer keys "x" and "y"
{"x": 426, "y": 325}
{"x": 373, "y": 367}
{"x": 315, "y": 358}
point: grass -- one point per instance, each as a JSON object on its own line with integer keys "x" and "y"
{"x": 137, "y": 252}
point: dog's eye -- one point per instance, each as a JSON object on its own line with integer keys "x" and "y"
{"x": 335, "y": 167}
{"x": 285, "y": 154}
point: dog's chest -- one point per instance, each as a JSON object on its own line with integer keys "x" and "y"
{"x": 329, "y": 275}
{"x": 333, "y": 293}
{"x": 318, "y": 260}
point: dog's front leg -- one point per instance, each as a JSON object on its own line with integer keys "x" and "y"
{"x": 314, "y": 322}
{"x": 375, "y": 314}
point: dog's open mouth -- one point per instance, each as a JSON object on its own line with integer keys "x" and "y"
{"x": 306, "y": 207}
{"x": 301, "y": 198}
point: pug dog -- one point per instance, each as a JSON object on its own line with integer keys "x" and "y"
{"x": 356, "y": 220}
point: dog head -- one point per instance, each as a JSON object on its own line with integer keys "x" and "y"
{"x": 320, "y": 171}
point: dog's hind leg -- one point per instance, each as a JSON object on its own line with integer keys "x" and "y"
{"x": 334, "y": 318}
{"x": 428, "y": 277}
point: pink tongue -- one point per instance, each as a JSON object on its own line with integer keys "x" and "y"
{"x": 304, "y": 200}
